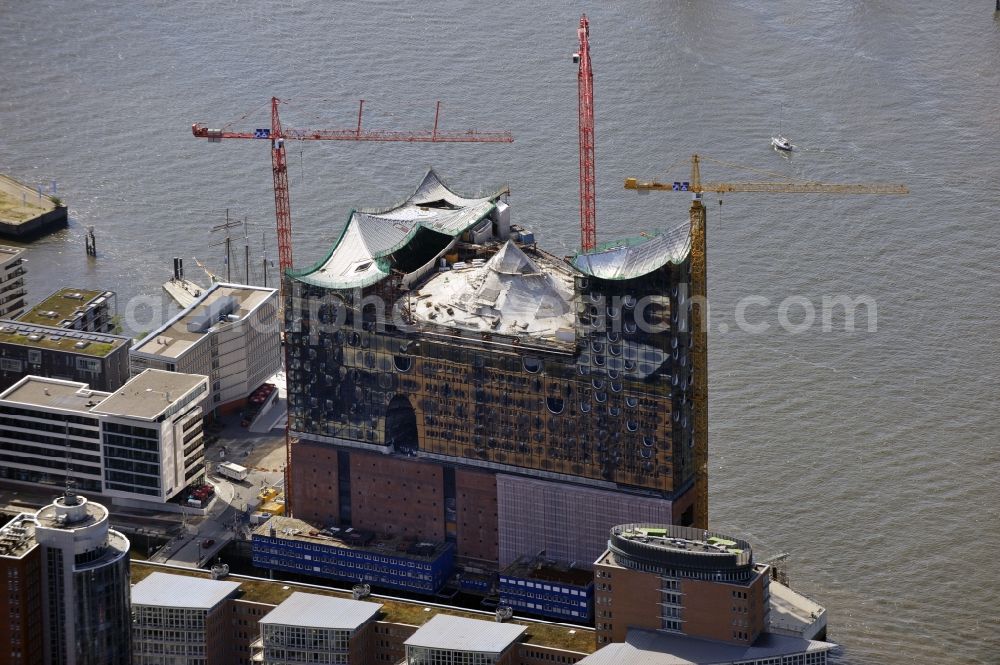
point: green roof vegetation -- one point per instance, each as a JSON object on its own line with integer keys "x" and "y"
{"x": 63, "y": 307}
{"x": 66, "y": 341}
{"x": 580, "y": 639}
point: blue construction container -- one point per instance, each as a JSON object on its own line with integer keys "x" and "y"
{"x": 549, "y": 591}
{"x": 389, "y": 563}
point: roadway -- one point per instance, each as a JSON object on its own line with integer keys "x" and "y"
{"x": 228, "y": 513}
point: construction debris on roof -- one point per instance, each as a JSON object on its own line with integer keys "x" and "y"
{"x": 510, "y": 294}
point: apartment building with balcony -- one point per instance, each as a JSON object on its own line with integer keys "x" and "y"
{"x": 75, "y": 309}
{"x": 12, "y": 291}
{"x": 97, "y": 359}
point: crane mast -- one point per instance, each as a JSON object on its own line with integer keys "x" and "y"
{"x": 585, "y": 89}
{"x": 282, "y": 203}
{"x": 699, "y": 288}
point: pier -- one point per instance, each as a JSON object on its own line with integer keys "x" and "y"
{"x": 27, "y": 212}
{"x": 183, "y": 291}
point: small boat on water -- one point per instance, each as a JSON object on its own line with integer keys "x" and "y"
{"x": 779, "y": 142}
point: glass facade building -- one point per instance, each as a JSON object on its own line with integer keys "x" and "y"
{"x": 437, "y": 333}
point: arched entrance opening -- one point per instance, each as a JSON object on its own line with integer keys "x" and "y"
{"x": 401, "y": 424}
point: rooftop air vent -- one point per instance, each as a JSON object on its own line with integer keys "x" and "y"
{"x": 75, "y": 295}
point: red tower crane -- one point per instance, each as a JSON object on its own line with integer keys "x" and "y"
{"x": 585, "y": 85}
{"x": 278, "y": 135}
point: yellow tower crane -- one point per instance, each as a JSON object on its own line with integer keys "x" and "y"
{"x": 699, "y": 289}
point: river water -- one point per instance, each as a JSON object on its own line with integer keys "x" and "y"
{"x": 870, "y": 455}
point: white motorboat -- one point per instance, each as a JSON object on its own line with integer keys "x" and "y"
{"x": 779, "y": 142}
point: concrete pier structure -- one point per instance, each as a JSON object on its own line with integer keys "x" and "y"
{"x": 25, "y": 213}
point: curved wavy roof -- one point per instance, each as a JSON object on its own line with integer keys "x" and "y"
{"x": 363, "y": 254}
{"x": 636, "y": 257}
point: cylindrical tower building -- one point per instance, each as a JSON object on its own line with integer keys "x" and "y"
{"x": 86, "y": 593}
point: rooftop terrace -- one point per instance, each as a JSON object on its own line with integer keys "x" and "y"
{"x": 679, "y": 546}
{"x": 64, "y": 305}
{"x": 256, "y": 590}
{"x": 97, "y": 345}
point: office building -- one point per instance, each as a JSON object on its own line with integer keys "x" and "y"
{"x": 450, "y": 380}
{"x": 307, "y": 628}
{"x": 289, "y": 624}
{"x": 75, "y": 309}
{"x": 180, "y": 619}
{"x": 229, "y": 334}
{"x": 142, "y": 443}
{"x": 452, "y": 640}
{"x": 12, "y": 291}
{"x": 675, "y": 595}
{"x": 681, "y": 580}
{"x": 73, "y": 585}
{"x": 97, "y": 359}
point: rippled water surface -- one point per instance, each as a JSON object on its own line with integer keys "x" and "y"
{"x": 870, "y": 456}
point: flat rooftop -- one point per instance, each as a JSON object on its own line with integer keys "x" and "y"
{"x": 174, "y": 338}
{"x": 65, "y": 305}
{"x": 92, "y": 513}
{"x": 548, "y": 571}
{"x": 17, "y": 537}
{"x": 53, "y": 394}
{"x": 8, "y": 253}
{"x": 311, "y": 610}
{"x": 642, "y": 647}
{"x": 794, "y": 613}
{"x": 165, "y": 590}
{"x": 576, "y": 638}
{"x": 55, "y": 338}
{"x": 461, "y": 634}
{"x": 289, "y": 528}
{"x": 149, "y": 394}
